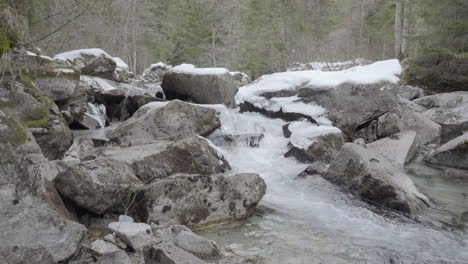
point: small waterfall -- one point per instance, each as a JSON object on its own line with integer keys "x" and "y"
{"x": 240, "y": 140}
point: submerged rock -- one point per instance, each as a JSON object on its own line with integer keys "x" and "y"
{"x": 375, "y": 180}
{"x": 198, "y": 200}
{"x": 202, "y": 85}
{"x": 166, "y": 120}
{"x": 451, "y": 154}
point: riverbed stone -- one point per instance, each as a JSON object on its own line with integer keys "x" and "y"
{"x": 100, "y": 185}
{"x": 200, "y": 200}
{"x": 136, "y": 235}
{"x": 374, "y": 179}
{"x": 399, "y": 148}
{"x": 451, "y": 154}
{"x": 175, "y": 119}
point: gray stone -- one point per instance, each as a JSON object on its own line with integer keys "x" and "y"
{"x": 126, "y": 218}
{"x": 136, "y": 235}
{"x": 316, "y": 168}
{"x": 371, "y": 177}
{"x": 57, "y": 83}
{"x": 198, "y": 200}
{"x": 399, "y": 149}
{"x": 155, "y": 73}
{"x": 24, "y": 102}
{"x": 410, "y": 92}
{"x": 102, "y": 247}
{"x": 426, "y": 130}
{"x": 100, "y": 185}
{"x": 101, "y": 67}
{"x": 209, "y": 88}
{"x": 454, "y": 121}
{"x": 451, "y": 154}
{"x": 240, "y": 78}
{"x": 166, "y": 253}
{"x": 118, "y": 257}
{"x": 164, "y": 120}
{"x": 21, "y": 254}
{"x": 323, "y": 148}
{"x": 443, "y": 100}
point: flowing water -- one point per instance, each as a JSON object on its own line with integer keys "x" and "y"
{"x": 310, "y": 221}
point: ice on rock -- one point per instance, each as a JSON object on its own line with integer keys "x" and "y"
{"x": 303, "y": 133}
{"x": 98, "y": 113}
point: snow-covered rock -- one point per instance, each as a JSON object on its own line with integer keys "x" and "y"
{"x": 351, "y": 98}
{"x": 202, "y": 85}
{"x": 200, "y": 200}
{"x": 167, "y": 119}
{"x": 240, "y": 78}
{"x": 155, "y": 72}
{"x": 310, "y": 143}
{"x": 329, "y": 66}
{"x": 373, "y": 178}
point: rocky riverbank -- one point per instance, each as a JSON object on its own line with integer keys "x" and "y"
{"x": 132, "y": 194}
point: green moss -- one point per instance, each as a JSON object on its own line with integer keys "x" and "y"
{"x": 438, "y": 70}
{"x": 29, "y": 86}
{"x": 8, "y": 40}
{"x": 16, "y": 133}
{"x": 37, "y": 123}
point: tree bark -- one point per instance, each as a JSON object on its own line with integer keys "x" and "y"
{"x": 399, "y": 13}
{"x": 405, "y": 43}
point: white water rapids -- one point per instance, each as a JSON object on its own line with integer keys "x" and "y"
{"x": 311, "y": 221}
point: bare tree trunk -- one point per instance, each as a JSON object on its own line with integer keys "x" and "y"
{"x": 135, "y": 41}
{"x": 406, "y": 30}
{"x": 399, "y": 14}
{"x": 213, "y": 44}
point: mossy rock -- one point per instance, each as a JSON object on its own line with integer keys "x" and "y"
{"x": 438, "y": 71}
{"x": 15, "y": 134}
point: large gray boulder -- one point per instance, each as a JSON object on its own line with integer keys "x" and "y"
{"x": 155, "y": 72}
{"x": 20, "y": 254}
{"x": 31, "y": 211}
{"x": 200, "y": 200}
{"x": 451, "y": 154}
{"x": 399, "y": 149}
{"x": 192, "y": 155}
{"x": 100, "y": 185}
{"x": 454, "y": 121}
{"x": 444, "y": 100}
{"x": 202, "y": 85}
{"x": 371, "y": 177}
{"x": 166, "y": 120}
{"x": 21, "y": 99}
{"x": 136, "y": 235}
{"x": 56, "y": 83}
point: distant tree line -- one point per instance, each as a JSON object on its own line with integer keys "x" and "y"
{"x": 256, "y": 36}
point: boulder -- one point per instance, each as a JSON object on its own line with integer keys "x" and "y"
{"x": 312, "y": 143}
{"x": 136, "y": 235}
{"x": 31, "y": 211}
{"x": 317, "y": 168}
{"x": 240, "y": 78}
{"x": 410, "y": 92}
{"x": 21, "y": 99}
{"x": 398, "y": 149}
{"x": 202, "y": 85}
{"x": 453, "y": 121}
{"x": 170, "y": 254}
{"x": 100, "y": 185}
{"x": 230, "y": 140}
{"x": 426, "y": 130}
{"x": 163, "y": 120}
{"x": 155, "y": 73}
{"x": 201, "y": 200}
{"x": 20, "y": 254}
{"x": 118, "y": 257}
{"x": 371, "y": 177}
{"x": 192, "y": 155}
{"x": 444, "y": 100}
{"x": 56, "y": 83}
{"x": 451, "y": 154}
{"x": 95, "y": 62}
{"x": 179, "y": 238}
{"x": 102, "y": 247}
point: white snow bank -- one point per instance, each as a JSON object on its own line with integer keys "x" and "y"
{"x": 329, "y": 66}
{"x": 161, "y": 65}
{"x": 75, "y": 54}
{"x": 121, "y": 64}
{"x": 303, "y": 133}
{"x": 191, "y": 69}
{"x": 29, "y": 53}
{"x": 379, "y": 71}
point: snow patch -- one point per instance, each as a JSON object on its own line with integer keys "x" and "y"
{"x": 191, "y": 69}
{"x": 121, "y": 64}
{"x": 75, "y": 54}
